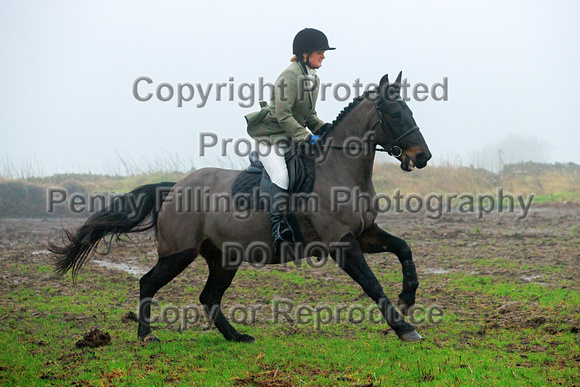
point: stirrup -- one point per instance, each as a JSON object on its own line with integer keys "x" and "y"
{"x": 284, "y": 233}
{"x": 285, "y": 236}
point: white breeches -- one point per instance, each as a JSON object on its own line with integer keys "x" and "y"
{"x": 272, "y": 156}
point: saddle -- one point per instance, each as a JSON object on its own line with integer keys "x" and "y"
{"x": 252, "y": 184}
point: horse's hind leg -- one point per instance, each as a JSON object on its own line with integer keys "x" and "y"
{"x": 376, "y": 240}
{"x": 353, "y": 262}
{"x": 166, "y": 269}
{"x": 220, "y": 278}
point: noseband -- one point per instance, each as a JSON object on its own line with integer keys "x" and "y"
{"x": 395, "y": 150}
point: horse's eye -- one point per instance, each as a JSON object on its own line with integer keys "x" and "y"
{"x": 395, "y": 115}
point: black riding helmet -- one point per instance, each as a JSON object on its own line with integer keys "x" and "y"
{"x": 308, "y": 40}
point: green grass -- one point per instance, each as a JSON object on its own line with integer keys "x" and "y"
{"x": 548, "y": 296}
{"x": 509, "y": 293}
{"x": 559, "y": 197}
{"x": 366, "y": 356}
{"x": 38, "y": 344}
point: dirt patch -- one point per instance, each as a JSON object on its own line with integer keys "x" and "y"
{"x": 94, "y": 338}
{"x": 535, "y": 322}
{"x": 274, "y": 378}
{"x": 509, "y": 308}
{"x": 129, "y": 317}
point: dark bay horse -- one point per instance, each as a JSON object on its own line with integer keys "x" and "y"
{"x": 380, "y": 119}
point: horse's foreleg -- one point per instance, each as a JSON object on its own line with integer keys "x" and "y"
{"x": 376, "y": 240}
{"x": 353, "y": 262}
{"x": 164, "y": 271}
{"x": 220, "y": 278}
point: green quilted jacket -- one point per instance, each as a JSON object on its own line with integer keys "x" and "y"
{"x": 292, "y": 107}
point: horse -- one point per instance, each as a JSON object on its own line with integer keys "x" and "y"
{"x": 380, "y": 118}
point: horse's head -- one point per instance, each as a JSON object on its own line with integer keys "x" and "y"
{"x": 398, "y": 132}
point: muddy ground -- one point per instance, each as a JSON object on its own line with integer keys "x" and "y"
{"x": 541, "y": 249}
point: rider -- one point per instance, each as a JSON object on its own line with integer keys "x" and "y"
{"x": 290, "y": 115}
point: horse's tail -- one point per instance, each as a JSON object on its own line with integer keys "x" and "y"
{"x": 133, "y": 212}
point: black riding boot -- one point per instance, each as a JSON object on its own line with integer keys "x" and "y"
{"x": 282, "y": 232}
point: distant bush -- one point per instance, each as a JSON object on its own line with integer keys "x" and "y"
{"x": 21, "y": 199}
{"x": 532, "y": 168}
{"x": 28, "y": 198}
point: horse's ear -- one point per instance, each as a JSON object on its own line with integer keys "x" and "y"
{"x": 384, "y": 81}
{"x": 390, "y": 92}
{"x": 383, "y": 84}
{"x": 399, "y": 78}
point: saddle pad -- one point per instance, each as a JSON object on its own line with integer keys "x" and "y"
{"x": 246, "y": 190}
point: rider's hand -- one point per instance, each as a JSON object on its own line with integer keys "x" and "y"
{"x": 323, "y": 129}
{"x": 311, "y": 139}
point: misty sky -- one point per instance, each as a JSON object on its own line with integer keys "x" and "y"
{"x": 67, "y": 70}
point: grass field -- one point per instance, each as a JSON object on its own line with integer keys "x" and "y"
{"x": 508, "y": 288}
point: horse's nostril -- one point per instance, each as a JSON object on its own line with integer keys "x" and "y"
{"x": 422, "y": 158}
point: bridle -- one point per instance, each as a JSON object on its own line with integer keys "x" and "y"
{"x": 395, "y": 150}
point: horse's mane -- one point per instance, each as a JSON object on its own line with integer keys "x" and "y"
{"x": 345, "y": 111}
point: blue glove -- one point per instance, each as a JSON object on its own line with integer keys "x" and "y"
{"x": 312, "y": 139}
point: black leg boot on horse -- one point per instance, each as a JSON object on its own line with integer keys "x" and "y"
{"x": 281, "y": 217}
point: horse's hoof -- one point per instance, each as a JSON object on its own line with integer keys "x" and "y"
{"x": 150, "y": 338}
{"x": 403, "y": 307}
{"x": 410, "y": 336}
{"x": 244, "y": 339}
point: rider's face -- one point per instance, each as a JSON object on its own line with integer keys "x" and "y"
{"x": 316, "y": 58}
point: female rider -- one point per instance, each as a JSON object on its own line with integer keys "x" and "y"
{"x": 291, "y": 115}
